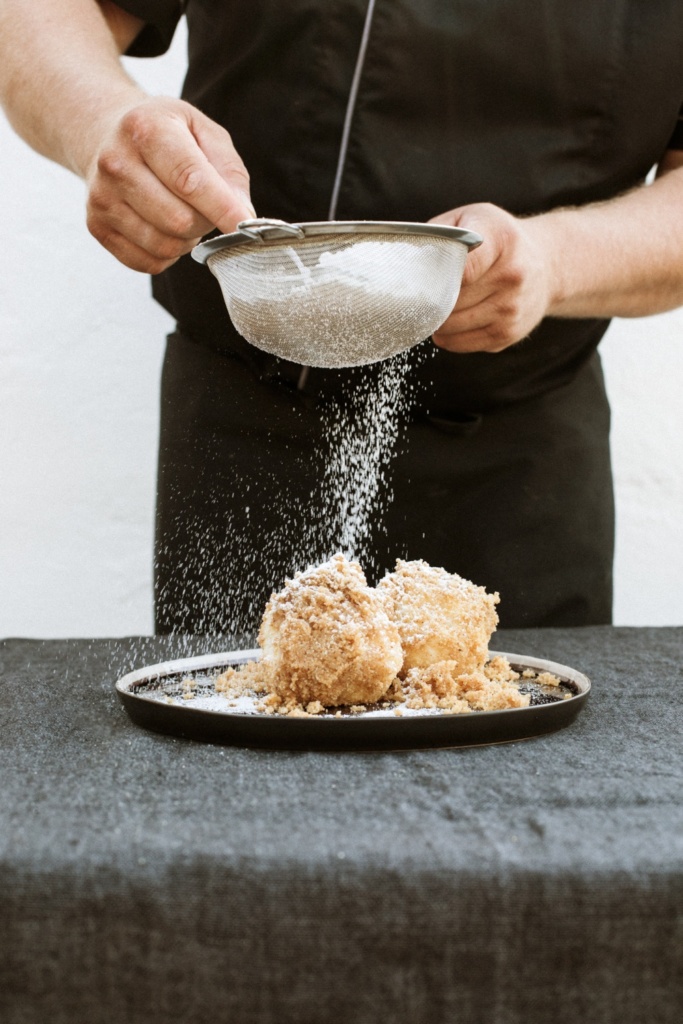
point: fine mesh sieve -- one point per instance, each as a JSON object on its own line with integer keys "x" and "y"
{"x": 338, "y": 293}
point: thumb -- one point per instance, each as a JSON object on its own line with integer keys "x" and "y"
{"x": 484, "y": 219}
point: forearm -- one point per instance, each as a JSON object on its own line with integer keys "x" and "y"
{"x": 623, "y": 257}
{"x": 61, "y": 79}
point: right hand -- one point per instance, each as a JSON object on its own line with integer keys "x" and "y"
{"x": 164, "y": 176}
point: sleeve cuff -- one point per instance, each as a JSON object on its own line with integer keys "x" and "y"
{"x": 676, "y": 140}
{"x": 161, "y": 18}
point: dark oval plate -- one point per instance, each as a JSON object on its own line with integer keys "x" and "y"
{"x": 154, "y": 698}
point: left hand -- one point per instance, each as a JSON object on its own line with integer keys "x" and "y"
{"x": 506, "y": 288}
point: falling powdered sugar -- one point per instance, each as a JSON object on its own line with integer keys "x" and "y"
{"x": 359, "y": 441}
{"x": 225, "y": 567}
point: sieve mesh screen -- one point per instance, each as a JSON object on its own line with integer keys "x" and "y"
{"x": 340, "y": 300}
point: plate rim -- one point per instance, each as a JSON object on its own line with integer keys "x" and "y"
{"x": 124, "y": 686}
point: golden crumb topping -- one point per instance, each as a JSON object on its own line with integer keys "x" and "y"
{"x": 326, "y": 638}
{"x": 440, "y": 616}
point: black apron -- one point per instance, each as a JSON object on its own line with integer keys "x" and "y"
{"x": 502, "y": 470}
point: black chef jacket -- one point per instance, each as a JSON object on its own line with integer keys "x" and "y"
{"x": 502, "y": 472}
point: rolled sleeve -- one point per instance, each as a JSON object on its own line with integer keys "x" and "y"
{"x": 676, "y": 141}
{"x": 161, "y": 18}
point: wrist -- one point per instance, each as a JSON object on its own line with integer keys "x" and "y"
{"x": 550, "y": 232}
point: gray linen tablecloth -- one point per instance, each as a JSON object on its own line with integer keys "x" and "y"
{"x": 152, "y": 879}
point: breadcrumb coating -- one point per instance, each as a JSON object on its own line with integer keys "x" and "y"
{"x": 326, "y": 638}
{"x": 440, "y": 616}
{"x": 418, "y": 641}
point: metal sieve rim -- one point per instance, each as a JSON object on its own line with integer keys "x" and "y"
{"x": 273, "y": 231}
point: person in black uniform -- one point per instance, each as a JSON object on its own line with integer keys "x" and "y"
{"x": 535, "y": 129}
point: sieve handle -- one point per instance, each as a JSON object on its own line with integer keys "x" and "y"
{"x": 259, "y": 228}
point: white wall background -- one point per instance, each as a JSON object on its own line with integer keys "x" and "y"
{"x": 81, "y": 344}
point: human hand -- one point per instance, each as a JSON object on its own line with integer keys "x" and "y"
{"x": 162, "y": 177}
{"x": 506, "y": 287}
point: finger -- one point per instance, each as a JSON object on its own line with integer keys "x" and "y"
{"x": 480, "y": 260}
{"x": 496, "y": 226}
{"x": 474, "y": 295}
{"x": 157, "y": 205}
{"x": 133, "y": 255}
{"x": 172, "y": 153}
{"x": 471, "y": 318}
{"x": 217, "y": 145}
{"x": 130, "y": 183}
{"x": 484, "y": 339}
{"x": 483, "y": 328}
{"x": 125, "y": 221}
